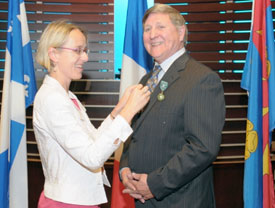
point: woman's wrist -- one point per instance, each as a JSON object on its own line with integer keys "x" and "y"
{"x": 127, "y": 114}
{"x": 114, "y": 113}
{"x": 112, "y": 116}
{"x": 116, "y": 110}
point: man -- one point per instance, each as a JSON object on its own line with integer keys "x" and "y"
{"x": 168, "y": 162}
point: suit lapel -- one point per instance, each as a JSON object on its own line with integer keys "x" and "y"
{"x": 170, "y": 76}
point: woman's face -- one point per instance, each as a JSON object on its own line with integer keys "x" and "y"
{"x": 71, "y": 57}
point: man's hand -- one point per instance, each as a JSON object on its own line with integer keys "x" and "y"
{"x": 128, "y": 182}
{"x": 140, "y": 182}
{"x": 141, "y": 189}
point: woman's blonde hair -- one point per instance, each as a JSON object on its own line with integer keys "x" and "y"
{"x": 55, "y": 35}
{"x": 176, "y": 18}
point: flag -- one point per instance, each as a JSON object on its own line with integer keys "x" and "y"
{"x": 19, "y": 88}
{"x": 259, "y": 80}
{"x": 135, "y": 63}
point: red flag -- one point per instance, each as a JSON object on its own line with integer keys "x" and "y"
{"x": 119, "y": 200}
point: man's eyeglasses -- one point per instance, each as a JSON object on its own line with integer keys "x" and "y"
{"x": 78, "y": 51}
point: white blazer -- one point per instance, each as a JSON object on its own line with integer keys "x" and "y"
{"x": 72, "y": 150}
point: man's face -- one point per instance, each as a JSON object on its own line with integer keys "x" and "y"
{"x": 161, "y": 38}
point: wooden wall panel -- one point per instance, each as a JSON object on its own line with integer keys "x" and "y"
{"x": 96, "y": 17}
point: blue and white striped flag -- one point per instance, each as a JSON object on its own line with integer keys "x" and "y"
{"x": 19, "y": 89}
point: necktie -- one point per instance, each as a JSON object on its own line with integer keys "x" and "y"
{"x": 153, "y": 80}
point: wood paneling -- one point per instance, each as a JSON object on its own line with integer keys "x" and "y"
{"x": 96, "y": 17}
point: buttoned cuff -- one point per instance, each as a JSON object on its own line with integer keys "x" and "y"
{"x": 120, "y": 123}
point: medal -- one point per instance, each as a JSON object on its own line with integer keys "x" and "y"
{"x": 161, "y": 96}
{"x": 163, "y": 86}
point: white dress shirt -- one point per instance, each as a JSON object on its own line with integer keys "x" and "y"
{"x": 168, "y": 62}
{"x": 72, "y": 150}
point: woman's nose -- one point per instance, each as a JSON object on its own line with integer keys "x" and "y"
{"x": 85, "y": 56}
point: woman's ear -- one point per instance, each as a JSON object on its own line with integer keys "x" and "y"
{"x": 53, "y": 54}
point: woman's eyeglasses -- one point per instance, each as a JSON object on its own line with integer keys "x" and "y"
{"x": 78, "y": 51}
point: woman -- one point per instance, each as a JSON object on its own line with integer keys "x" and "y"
{"x": 72, "y": 150}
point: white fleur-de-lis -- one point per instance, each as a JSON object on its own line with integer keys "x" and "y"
{"x": 26, "y": 84}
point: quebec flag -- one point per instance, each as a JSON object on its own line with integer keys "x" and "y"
{"x": 19, "y": 88}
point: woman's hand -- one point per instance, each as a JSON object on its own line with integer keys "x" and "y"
{"x": 138, "y": 98}
{"x": 123, "y": 100}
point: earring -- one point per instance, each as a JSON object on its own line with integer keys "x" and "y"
{"x": 53, "y": 69}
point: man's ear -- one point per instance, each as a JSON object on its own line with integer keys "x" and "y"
{"x": 53, "y": 54}
{"x": 182, "y": 31}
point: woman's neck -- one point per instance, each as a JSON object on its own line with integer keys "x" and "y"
{"x": 64, "y": 83}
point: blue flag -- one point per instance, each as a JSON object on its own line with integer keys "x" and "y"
{"x": 259, "y": 80}
{"x": 19, "y": 88}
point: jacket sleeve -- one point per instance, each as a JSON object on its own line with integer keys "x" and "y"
{"x": 73, "y": 131}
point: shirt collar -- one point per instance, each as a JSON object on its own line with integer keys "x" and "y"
{"x": 168, "y": 62}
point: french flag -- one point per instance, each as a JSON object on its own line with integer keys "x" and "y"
{"x": 136, "y": 62}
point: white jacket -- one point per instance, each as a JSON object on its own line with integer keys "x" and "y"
{"x": 72, "y": 150}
